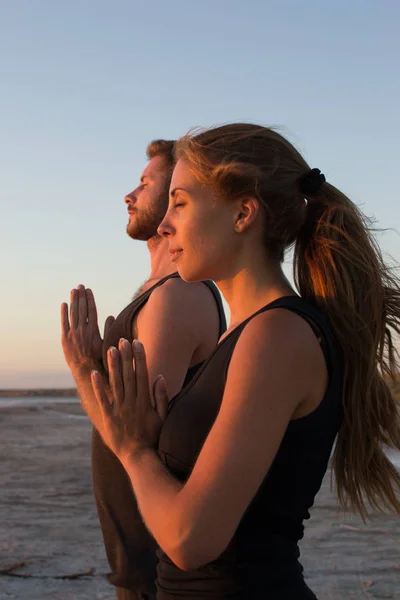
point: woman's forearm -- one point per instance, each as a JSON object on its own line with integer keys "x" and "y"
{"x": 156, "y": 490}
{"x": 159, "y": 497}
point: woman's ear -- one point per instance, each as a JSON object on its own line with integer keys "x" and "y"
{"x": 247, "y": 210}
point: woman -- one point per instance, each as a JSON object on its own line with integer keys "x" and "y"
{"x": 226, "y": 473}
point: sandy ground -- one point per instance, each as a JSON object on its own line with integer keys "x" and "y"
{"x": 50, "y": 542}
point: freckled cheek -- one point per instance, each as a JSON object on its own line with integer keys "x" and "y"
{"x": 199, "y": 234}
{"x": 209, "y": 242}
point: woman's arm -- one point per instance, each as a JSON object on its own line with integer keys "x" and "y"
{"x": 273, "y": 369}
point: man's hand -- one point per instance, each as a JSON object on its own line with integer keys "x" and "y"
{"x": 80, "y": 335}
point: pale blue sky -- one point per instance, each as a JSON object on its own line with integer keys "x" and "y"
{"x": 85, "y": 85}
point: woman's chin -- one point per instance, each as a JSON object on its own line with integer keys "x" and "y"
{"x": 190, "y": 275}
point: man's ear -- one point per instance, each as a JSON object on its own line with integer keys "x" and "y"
{"x": 247, "y": 210}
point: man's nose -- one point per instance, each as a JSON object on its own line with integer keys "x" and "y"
{"x": 130, "y": 198}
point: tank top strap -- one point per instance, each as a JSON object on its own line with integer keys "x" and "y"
{"x": 123, "y": 325}
{"x": 217, "y": 297}
{"x": 142, "y": 298}
{"x": 318, "y": 322}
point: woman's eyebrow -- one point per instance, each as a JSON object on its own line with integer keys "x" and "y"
{"x": 173, "y": 192}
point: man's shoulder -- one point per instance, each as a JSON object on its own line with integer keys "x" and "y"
{"x": 188, "y": 297}
{"x": 186, "y": 311}
{"x": 178, "y": 289}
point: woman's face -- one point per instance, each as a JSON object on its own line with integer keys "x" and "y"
{"x": 200, "y": 228}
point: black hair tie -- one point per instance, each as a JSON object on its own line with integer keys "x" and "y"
{"x": 311, "y": 182}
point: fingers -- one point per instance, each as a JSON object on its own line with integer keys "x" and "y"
{"x": 91, "y": 309}
{"x": 79, "y": 306}
{"x": 64, "y": 320}
{"x": 128, "y": 374}
{"x": 115, "y": 376}
{"x": 73, "y": 307}
{"x": 107, "y": 325}
{"x": 142, "y": 376}
{"x": 100, "y": 393}
{"x": 82, "y": 305}
{"x": 161, "y": 399}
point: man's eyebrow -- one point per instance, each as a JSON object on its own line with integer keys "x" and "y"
{"x": 173, "y": 192}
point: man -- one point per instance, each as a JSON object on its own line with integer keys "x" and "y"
{"x": 179, "y": 325}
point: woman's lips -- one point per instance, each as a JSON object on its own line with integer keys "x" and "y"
{"x": 175, "y": 254}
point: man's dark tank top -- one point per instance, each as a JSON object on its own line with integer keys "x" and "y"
{"x": 261, "y": 560}
{"x": 130, "y": 549}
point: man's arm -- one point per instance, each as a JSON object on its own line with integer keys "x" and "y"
{"x": 178, "y": 318}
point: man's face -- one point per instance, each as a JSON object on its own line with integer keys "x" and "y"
{"x": 148, "y": 203}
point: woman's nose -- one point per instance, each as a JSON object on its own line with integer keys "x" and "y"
{"x": 164, "y": 229}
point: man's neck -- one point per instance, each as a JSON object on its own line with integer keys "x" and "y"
{"x": 161, "y": 264}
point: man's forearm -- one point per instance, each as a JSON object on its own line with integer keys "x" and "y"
{"x": 86, "y": 393}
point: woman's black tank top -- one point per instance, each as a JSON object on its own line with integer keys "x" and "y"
{"x": 130, "y": 549}
{"x": 262, "y": 559}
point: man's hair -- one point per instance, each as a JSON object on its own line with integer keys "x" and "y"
{"x": 164, "y": 148}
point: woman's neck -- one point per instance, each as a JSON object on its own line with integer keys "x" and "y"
{"x": 253, "y": 287}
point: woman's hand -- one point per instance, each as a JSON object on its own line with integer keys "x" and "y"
{"x": 80, "y": 335}
{"x": 132, "y": 417}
